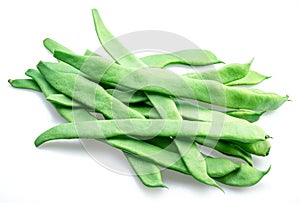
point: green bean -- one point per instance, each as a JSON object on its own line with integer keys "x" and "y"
{"x": 242, "y": 76}
{"x": 251, "y": 116}
{"x": 86, "y": 92}
{"x": 25, "y": 84}
{"x": 216, "y": 167}
{"x": 246, "y": 133}
{"x": 187, "y": 109}
{"x": 194, "y": 57}
{"x": 259, "y": 148}
{"x": 46, "y": 88}
{"x": 224, "y": 75}
{"x": 252, "y": 78}
{"x": 52, "y": 46}
{"x": 165, "y": 82}
{"x": 112, "y": 45}
{"x": 198, "y": 57}
{"x": 244, "y": 176}
{"x": 193, "y": 111}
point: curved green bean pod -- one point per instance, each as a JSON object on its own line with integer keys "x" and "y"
{"x": 52, "y": 46}
{"x": 187, "y": 109}
{"x": 158, "y": 80}
{"x": 251, "y": 116}
{"x": 46, "y": 88}
{"x": 216, "y": 167}
{"x": 259, "y": 148}
{"x": 25, "y": 84}
{"x": 226, "y": 74}
{"x": 194, "y": 57}
{"x": 244, "y": 132}
{"x": 244, "y": 176}
{"x": 252, "y": 78}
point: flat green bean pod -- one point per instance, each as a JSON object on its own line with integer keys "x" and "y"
{"x": 216, "y": 167}
{"x": 187, "y": 109}
{"x": 252, "y": 78}
{"x": 194, "y": 57}
{"x": 259, "y": 148}
{"x": 158, "y": 80}
{"x": 52, "y": 46}
{"x": 226, "y": 74}
{"x": 25, "y": 84}
{"x": 251, "y": 116}
{"x": 244, "y": 176}
{"x": 244, "y": 132}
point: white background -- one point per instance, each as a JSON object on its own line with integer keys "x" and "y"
{"x": 235, "y": 30}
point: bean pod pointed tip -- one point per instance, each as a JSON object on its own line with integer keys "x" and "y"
{"x": 268, "y": 170}
{"x": 10, "y": 81}
{"x": 250, "y": 63}
{"x": 159, "y": 186}
{"x": 36, "y": 143}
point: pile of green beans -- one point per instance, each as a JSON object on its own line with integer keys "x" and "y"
{"x": 157, "y": 118}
